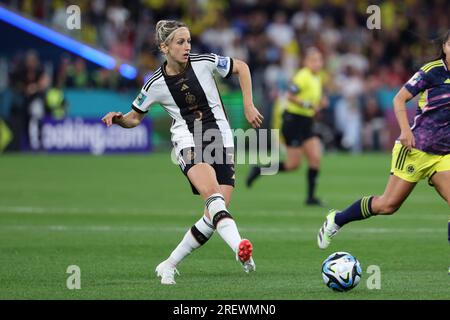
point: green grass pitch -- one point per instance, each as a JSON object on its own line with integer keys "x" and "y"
{"x": 117, "y": 217}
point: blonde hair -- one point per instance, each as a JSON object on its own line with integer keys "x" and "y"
{"x": 165, "y": 30}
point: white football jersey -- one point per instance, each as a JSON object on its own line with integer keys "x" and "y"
{"x": 191, "y": 98}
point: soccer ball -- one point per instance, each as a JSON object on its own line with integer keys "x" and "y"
{"x": 341, "y": 271}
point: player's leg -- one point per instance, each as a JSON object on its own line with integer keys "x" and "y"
{"x": 441, "y": 182}
{"x": 313, "y": 153}
{"x": 203, "y": 177}
{"x": 293, "y": 159}
{"x": 193, "y": 239}
{"x": 227, "y": 192}
{"x": 203, "y": 229}
{"x": 397, "y": 190}
{"x": 402, "y": 181}
{"x": 197, "y": 235}
{"x": 245, "y": 249}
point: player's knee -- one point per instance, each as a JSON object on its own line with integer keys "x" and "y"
{"x": 384, "y": 205}
{"x": 315, "y": 165}
{"x": 207, "y": 191}
{"x": 217, "y": 209}
{"x": 314, "y": 161}
{"x": 389, "y": 208}
{"x": 291, "y": 166}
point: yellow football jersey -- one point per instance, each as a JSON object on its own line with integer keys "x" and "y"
{"x": 307, "y": 86}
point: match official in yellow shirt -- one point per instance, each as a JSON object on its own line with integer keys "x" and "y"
{"x": 304, "y": 99}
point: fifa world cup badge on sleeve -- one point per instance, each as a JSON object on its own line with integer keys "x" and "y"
{"x": 140, "y": 99}
{"x": 223, "y": 63}
{"x": 414, "y": 79}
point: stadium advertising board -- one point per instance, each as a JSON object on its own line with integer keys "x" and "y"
{"x": 87, "y": 135}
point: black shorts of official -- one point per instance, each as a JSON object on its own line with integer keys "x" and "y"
{"x": 222, "y": 163}
{"x": 297, "y": 129}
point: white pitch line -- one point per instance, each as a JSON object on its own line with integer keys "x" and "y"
{"x": 74, "y": 210}
{"x": 301, "y": 213}
{"x": 105, "y": 228}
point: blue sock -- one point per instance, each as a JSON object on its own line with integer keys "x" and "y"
{"x": 361, "y": 209}
{"x": 449, "y": 231}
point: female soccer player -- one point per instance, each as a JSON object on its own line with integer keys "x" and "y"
{"x": 420, "y": 152}
{"x": 201, "y": 135}
{"x": 304, "y": 100}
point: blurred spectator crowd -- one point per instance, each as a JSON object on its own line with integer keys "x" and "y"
{"x": 362, "y": 67}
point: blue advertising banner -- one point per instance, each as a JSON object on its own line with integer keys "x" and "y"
{"x": 92, "y": 136}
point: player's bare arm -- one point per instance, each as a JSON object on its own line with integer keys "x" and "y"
{"x": 129, "y": 120}
{"x": 406, "y": 136}
{"x": 245, "y": 80}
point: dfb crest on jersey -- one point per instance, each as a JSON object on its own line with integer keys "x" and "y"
{"x": 190, "y": 98}
{"x": 223, "y": 63}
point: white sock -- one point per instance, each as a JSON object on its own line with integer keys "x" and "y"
{"x": 228, "y": 230}
{"x": 225, "y": 225}
{"x": 193, "y": 239}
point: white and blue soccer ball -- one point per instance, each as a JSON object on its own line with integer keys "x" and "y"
{"x": 341, "y": 271}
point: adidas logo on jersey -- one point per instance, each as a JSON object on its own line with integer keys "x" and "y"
{"x": 184, "y": 87}
{"x": 181, "y": 81}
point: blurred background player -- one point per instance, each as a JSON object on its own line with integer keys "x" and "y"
{"x": 422, "y": 151}
{"x": 185, "y": 87}
{"x": 304, "y": 100}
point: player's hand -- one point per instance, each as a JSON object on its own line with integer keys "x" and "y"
{"x": 407, "y": 139}
{"x": 112, "y": 118}
{"x": 253, "y": 116}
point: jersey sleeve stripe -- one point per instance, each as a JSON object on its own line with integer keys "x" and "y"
{"x": 156, "y": 74}
{"x": 203, "y": 55}
{"x": 427, "y": 67}
{"x": 203, "y": 59}
{"x": 431, "y": 65}
{"x": 428, "y": 64}
{"x": 150, "y": 82}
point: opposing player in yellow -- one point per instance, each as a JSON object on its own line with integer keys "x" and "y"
{"x": 304, "y": 99}
{"x": 422, "y": 151}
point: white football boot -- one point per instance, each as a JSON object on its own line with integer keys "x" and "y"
{"x": 328, "y": 230}
{"x": 166, "y": 272}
